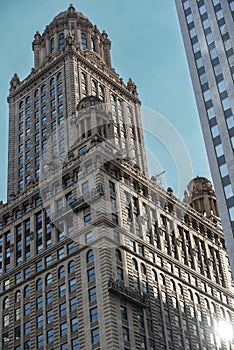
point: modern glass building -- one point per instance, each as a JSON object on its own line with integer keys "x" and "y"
{"x": 208, "y": 32}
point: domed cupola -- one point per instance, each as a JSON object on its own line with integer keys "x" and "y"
{"x": 86, "y": 36}
{"x": 201, "y": 197}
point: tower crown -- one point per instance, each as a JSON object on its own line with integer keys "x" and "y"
{"x": 86, "y": 37}
{"x": 201, "y": 197}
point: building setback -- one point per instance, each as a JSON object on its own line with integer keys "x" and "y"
{"x": 207, "y": 29}
{"x": 94, "y": 254}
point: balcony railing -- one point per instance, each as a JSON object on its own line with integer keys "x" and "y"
{"x": 118, "y": 287}
{"x": 79, "y": 203}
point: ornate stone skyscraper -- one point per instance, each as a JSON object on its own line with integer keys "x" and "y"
{"x": 71, "y": 61}
{"x": 94, "y": 254}
{"x": 207, "y": 28}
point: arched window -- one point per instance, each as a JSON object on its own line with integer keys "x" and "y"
{"x": 172, "y": 285}
{"x": 21, "y": 104}
{"x": 52, "y": 82}
{"x": 94, "y": 88}
{"x": 101, "y": 92}
{"x": 61, "y": 272}
{"x": 28, "y": 100}
{"x": 84, "y": 40}
{"x": 222, "y": 313}
{"x": 27, "y": 291}
{"x": 197, "y": 298}
{"x": 71, "y": 266}
{"x": 49, "y": 279}
{"x": 154, "y": 275}
{"x": 161, "y": 279}
{"x": 51, "y": 45}
{"x": 59, "y": 76}
{"x": 206, "y": 304}
{"x": 36, "y": 93}
{"x": 134, "y": 265}
{"x": 17, "y": 296}
{"x": 6, "y": 303}
{"x": 213, "y": 307}
{"x": 229, "y": 317}
{"x": 93, "y": 47}
{"x": 190, "y": 294}
{"x": 180, "y": 289}
{"x": 143, "y": 269}
{"x": 39, "y": 284}
{"x": 43, "y": 88}
{"x": 118, "y": 255}
{"x": 90, "y": 256}
{"x": 61, "y": 41}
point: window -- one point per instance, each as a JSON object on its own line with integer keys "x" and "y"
{"x": 50, "y": 336}
{"x": 87, "y": 219}
{"x": 73, "y": 305}
{"x": 61, "y": 272}
{"x": 118, "y": 255}
{"x": 49, "y": 297}
{"x": 40, "y": 341}
{"x": 95, "y": 335}
{"x": 134, "y": 264}
{"x": 88, "y": 237}
{"x": 49, "y": 316}
{"x": 90, "y": 256}
{"x": 39, "y": 284}
{"x": 125, "y": 334}
{"x": 92, "y": 294}
{"x": 71, "y": 266}
{"x": 84, "y": 40}
{"x": 75, "y": 344}
{"x": 62, "y": 290}
{"x": 61, "y": 253}
{"x": 27, "y": 309}
{"x": 39, "y": 321}
{"x": 85, "y": 187}
{"x": 112, "y": 186}
{"x": 51, "y": 45}
{"x": 120, "y": 274}
{"x": 74, "y": 324}
{"x": 49, "y": 279}
{"x": 61, "y": 41}
{"x": 72, "y": 285}
{"x": 91, "y": 274}
{"x": 82, "y": 150}
{"x": 93, "y": 314}
{"x": 62, "y": 310}
{"x": 63, "y": 329}
{"x": 26, "y": 291}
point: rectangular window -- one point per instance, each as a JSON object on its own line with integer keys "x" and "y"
{"x": 93, "y": 314}
{"x": 95, "y": 335}
{"x": 63, "y": 329}
{"x": 92, "y": 294}
{"x": 74, "y": 324}
{"x": 125, "y": 334}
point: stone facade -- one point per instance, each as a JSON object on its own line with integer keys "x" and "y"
{"x": 95, "y": 255}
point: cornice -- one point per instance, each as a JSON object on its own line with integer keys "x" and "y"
{"x": 98, "y": 67}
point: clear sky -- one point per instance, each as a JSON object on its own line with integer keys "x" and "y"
{"x": 146, "y": 46}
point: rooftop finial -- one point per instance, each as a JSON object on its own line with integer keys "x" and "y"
{"x": 71, "y": 8}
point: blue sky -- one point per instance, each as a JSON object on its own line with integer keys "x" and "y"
{"x": 146, "y": 46}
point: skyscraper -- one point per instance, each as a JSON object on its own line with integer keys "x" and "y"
{"x": 94, "y": 254}
{"x": 207, "y": 27}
